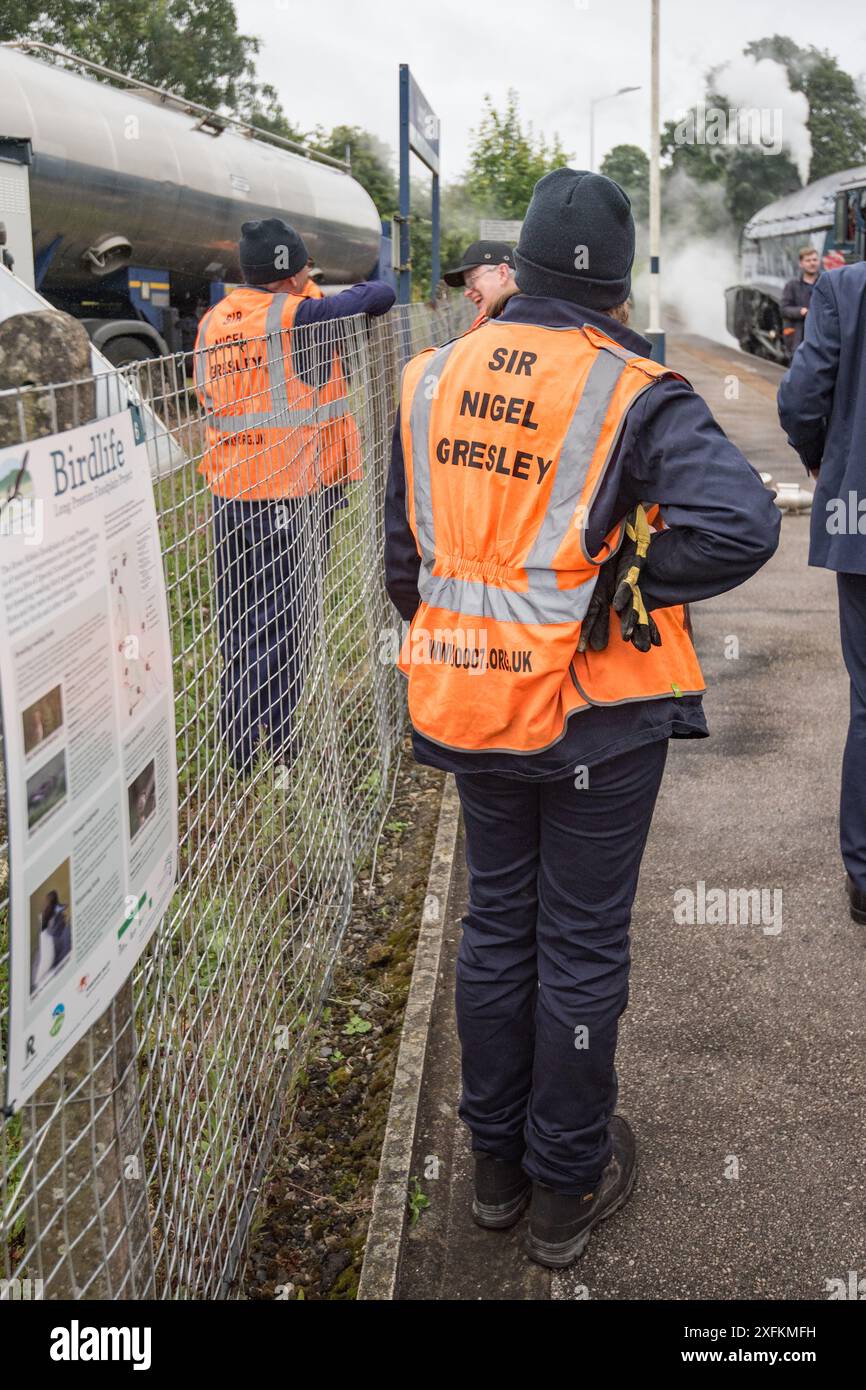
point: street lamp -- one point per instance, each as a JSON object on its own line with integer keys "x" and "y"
{"x": 655, "y": 332}
{"x": 592, "y": 105}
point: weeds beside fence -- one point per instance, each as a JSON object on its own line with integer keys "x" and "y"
{"x": 134, "y": 1170}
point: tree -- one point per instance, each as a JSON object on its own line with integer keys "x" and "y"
{"x": 370, "y": 160}
{"x": 458, "y": 226}
{"x": 746, "y": 177}
{"x": 836, "y": 124}
{"x": 628, "y": 166}
{"x": 507, "y": 161}
{"x": 752, "y": 180}
{"x": 191, "y": 47}
{"x": 837, "y": 120}
{"x": 259, "y": 104}
{"x": 504, "y": 166}
{"x": 700, "y": 161}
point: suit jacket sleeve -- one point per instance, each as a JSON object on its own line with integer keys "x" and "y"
{"x": 806, "y": 391}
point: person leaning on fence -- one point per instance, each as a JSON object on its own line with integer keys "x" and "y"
{"x": 281, "y": 444}
{"x": 520, "y": 454}
{"x": 312, "y": 289}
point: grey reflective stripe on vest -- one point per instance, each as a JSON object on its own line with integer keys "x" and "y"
{"x": 280, "y": 416}
{"x": 420, "y": 423}
{"x": 543, "y": 601}
{"x": 578, "y": 448}
{"x": 200, "y": 362}
{"x": 325, "y": 410}
{"x": 275, "y": 355}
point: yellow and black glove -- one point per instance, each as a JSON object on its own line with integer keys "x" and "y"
{"x": 618, "y": 588}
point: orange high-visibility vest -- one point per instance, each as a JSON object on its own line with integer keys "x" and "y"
{"x": 269, "y": 433}
{"x": 312, "y": 290}
{"x": 507, "y": 432}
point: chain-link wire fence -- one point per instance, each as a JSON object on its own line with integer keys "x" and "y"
{"x": 135, "y": 1169}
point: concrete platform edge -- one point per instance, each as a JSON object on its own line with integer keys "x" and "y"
{"x": 385, "y": 1235}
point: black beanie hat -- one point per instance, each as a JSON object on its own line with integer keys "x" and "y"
{"x": 270, "y": 250}
{"x": 577, "y": 240}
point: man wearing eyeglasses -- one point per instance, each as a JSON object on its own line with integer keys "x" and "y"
{"x": 486, "y": 273}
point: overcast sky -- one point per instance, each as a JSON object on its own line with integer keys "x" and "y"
{"x": 558, "y": 54}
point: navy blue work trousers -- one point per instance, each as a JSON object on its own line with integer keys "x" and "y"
{"x": 542, "y": 970}
{"x": 852, "y": 808}
{"x": 269, "y": 561}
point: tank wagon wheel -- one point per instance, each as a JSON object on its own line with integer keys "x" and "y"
{"x": 122, "y": 351}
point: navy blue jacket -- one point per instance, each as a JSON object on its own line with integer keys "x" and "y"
{"x": 372, "y": 297}
{"x": 822, "y": 407}
{"x": 723, "y": 525}
{"x": 311, "y": 353}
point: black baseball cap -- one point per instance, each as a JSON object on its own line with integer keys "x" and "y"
{"x": 480, "y": 253}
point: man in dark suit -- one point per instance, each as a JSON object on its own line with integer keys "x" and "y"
{"x": 822, "y": 407}
{"x": 797, "y": 296}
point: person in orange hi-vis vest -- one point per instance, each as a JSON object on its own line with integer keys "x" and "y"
{"x": 312, "y": 289}
{"x": 281, "y": 445}
{"x": 485, "y": 274}
{"x": 549, "y": 659}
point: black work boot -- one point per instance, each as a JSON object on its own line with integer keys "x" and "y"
{"x": 559, "y": 1224}
{"x": 857, "y": 899}
{"x": 502, "y": 1190}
